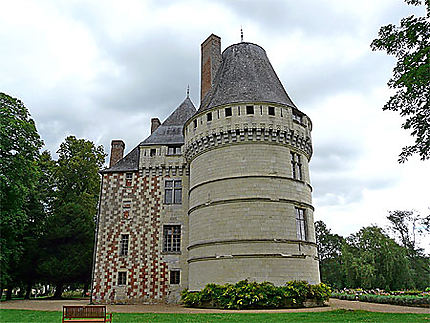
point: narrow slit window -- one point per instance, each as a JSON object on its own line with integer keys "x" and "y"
{"x": 209, "y": 116}
{"x": 296, "y": 166}
{"x": 195, "y": 123}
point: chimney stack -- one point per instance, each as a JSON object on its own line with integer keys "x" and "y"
{"x": 116, "y": 151}
{"x": 155, "y": 123}
{"x": 211, "y": 60}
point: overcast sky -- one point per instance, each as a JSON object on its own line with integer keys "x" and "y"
{"x": 101, "y": 69}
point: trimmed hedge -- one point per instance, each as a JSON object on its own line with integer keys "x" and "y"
{"x": 244, "y": 294}
{"x": 404, "y": 300}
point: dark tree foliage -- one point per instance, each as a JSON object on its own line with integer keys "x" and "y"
{"x": 19, "y": 150}
{"x": 329, "y": 253}
{"x": 410, "y": 44}
{"x": 69, "y": 231}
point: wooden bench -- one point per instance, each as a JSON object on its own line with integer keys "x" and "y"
{"x": 87, "y": 313}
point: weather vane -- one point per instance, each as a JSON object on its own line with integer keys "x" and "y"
{"x": 188, "y": 91}
{"x": 241, "y": 34}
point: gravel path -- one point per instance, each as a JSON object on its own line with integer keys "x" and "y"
{"x": 57, "y": 305}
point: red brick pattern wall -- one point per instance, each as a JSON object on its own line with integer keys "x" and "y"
{"x": 147, "y": 274}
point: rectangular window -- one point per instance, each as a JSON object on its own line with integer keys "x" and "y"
{"x": 175, "y": 277}
{"x": 271, "y": 111}
{"x": 123, "y": 245}
{"x": 195, "y": 123}
{"x": 296, "y": 166}
{"x": 209, "y": 116}
{"x": 152, "y": 152}
{"x": 228, "y": 112}
{"x": 173, "y": 191}
{"x": 173, "y": 150}
{"x": 126, "y": 208}
{"x": 249, "y": 109}
{"x": 301, "y": 224}
{"x": 128, "y": 179}
{"x": 297, "y": 116}
{"x": 122, "y": 278}
{"x": 172, "y": 238}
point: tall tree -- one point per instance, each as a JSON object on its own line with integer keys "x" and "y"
{"x": 330, "y": 255}
{"x": 68, "y": 242}
{"x": 410, "y": 44}
{"x": 19, "y": 149}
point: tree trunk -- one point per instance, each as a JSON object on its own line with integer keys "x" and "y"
{"x": 1, "y": 293}
{"x": 28, "y": 290}
{"x": 58, "y": 290}
{"x": 86, "y": 285}
{"x": 9, "y": 293}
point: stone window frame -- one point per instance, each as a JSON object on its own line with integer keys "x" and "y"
{"x": 175, "y": 277}
{"x": 173, "y": 192}
{"x": 250, "y": 109}
{"x": 174, "y": 150}
{"x": 122, "y": 278}
{"x": 296, "y": 166}
{"x": 271, "y": 111}
{"x": 301, "y": 224}
{"x": 172, "y": 238}
{"x": 124, "y": 244}
{"x": 228, "y": 112}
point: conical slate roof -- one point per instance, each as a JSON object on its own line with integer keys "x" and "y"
{"x": 170, "y": 131}
{"x": 245, "y": 75}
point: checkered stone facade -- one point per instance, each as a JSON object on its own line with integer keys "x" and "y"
{"x": 147, "y": 273}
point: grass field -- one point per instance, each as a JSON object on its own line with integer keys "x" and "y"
{"x": 333, "y": 316}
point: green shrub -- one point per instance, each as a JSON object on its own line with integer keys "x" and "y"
{"x": 246, "y": 294}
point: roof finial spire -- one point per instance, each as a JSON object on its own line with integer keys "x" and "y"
{"x": 241, "y": 34}
{"x": 188, "y": 91}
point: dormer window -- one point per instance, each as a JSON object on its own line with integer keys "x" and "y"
{"x": 173, "y": 150}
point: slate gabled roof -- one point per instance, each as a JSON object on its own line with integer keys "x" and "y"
{"x": 245, "y": 75}
{"x": 129, "y": 162}
{"x": 170, "y": 131}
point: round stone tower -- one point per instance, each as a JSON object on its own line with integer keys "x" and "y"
{"x": 248, "y": 149}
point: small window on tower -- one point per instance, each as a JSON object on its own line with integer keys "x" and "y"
{"x": 128, "y": 179}
{"x": 209, "y": 116}
{"x": 228, "y": 112}
{"x": 175, "y": 277}
{"x": 301, "y": 224}
{"x": 249, "y": 109}
{"x": 123, "y": 245}
{"x": 297, "y": 117}
{"x": 122, "y": 278}
{"x": 195, "y": 123}
{"x": 152, "y": 152}
{"x": 271, "y": 111}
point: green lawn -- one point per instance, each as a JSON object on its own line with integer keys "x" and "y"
{"x": 333, "y": 316}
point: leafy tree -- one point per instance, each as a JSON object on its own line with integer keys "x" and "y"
{"x": 19, "y": 150}
{"x": 410, "y": 44}
{"x": 406, "y": 227}
{"x": 329, "y": 253}
{"x": 69, "y": 234}
{"x": 371, "y": 259}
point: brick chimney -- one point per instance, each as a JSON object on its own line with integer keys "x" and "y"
{"x": 155, "y": 123}
{"x": 116, "y": 151}
{"x": 211, "y": 60}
